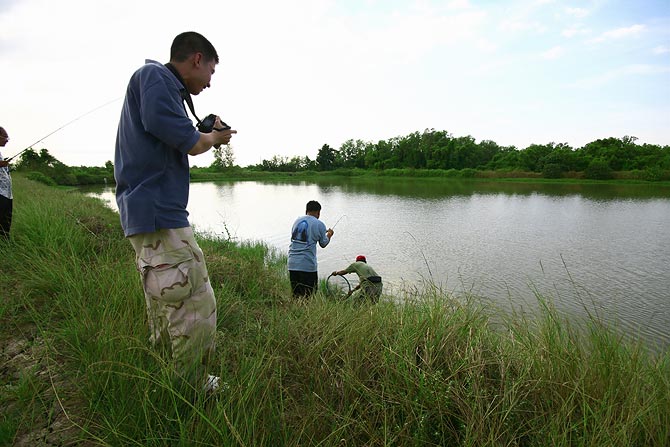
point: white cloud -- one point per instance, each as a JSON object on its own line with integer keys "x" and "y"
{"x": 661, "y": 49}
{"x": 580, "y": 13}
{"x": 486, "y": 45}
{"x": 516, "y": 25}
{"x": 622, "y": 72}
{"x": 621, "y": 33}
{"x": 553, "y": 53}
{"x": 576, "y": 30}
{"x": 458, "y": 4}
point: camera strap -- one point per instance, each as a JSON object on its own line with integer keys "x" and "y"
{"x": 185, "y": 95}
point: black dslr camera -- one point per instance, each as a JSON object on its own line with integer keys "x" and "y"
{"x": 207, "y": 125}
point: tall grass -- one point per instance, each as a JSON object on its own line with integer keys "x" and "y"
{"x": 434, "y": 370}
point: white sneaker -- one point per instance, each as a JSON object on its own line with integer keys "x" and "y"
{"x": 211, "y": 384}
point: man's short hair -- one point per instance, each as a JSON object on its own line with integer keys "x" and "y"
{"x": 190, "y": 42}
{"x": 312, "y": 205}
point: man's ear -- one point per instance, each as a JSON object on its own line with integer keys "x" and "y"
{"x": 197, "y": 59}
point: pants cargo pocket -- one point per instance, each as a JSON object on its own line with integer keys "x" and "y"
{"x": 170, "y": 277}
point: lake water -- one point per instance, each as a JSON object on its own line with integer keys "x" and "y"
{"x": 605, "y": 248}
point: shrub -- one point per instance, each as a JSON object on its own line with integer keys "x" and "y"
{"x": 653, "y": 174}
{"x": 343, "y": 172}
{"x": 40, "y": 177}
{"x": 468, "y": 173}
{"x": 598, "y": 169}
{"x": 88, "y": 179}
{"x": 552, "y": 170}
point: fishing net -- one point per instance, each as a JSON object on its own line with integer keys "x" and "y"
{"x": 338, "y": 286}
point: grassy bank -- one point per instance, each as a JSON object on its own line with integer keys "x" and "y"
{"x": 77, "y": 370}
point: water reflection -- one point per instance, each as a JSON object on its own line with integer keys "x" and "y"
{"x": 436, "y": 187}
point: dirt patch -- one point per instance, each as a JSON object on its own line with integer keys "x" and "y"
{"x": 36, "y": 394}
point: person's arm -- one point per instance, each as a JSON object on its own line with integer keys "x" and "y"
{"x": 325, "y": 236}
{"x": 349, "y": 269}
{"x": 354, "y": 289}
{"x": 3, "y": 163}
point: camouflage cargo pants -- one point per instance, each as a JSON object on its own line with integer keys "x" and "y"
{"x": 181, "y": 306}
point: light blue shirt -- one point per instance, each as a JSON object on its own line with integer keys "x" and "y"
{"x": 307, "y": 231}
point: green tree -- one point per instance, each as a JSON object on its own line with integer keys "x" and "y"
{"x": 562, "y": 158}
{"x": 433, "y": 149}
{"x": 29, "y": 161}
{"x": 274, "y": 164}
{"x": 598, "y": 169}
{"x": 482, "y": 154}
{"x": 352, "y": 154}
{"x": 434, "y": 145}
{"x": 297, "y": 163}
{"x": 34, "y": 161}
{"x": 462, "y": 153}
{"x": 224, "y": 157}
{"x": 48, "y": 165}
{"x": 506, "y": 158}
{"x": 325, "y": 159}
{"x": 531, "y": 158}
{"x": 620, "y": 153}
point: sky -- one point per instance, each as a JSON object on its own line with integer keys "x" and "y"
{"x": 297, "y": 74}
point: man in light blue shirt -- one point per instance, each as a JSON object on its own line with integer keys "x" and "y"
{"x": 306, "y": 232}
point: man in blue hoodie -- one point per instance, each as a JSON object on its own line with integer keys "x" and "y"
{"x": 154, "y": 140}
{"x": 306, "y": 232}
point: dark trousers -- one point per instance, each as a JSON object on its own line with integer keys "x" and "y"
{"x": 5, "y": 216}
{"x": 303, "y": 284}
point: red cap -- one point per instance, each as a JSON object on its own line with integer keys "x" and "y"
{"x": 360, "y": 258}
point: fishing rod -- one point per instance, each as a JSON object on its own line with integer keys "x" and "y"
{"x": 61, "y": 127}
{"x": 338, "y": 221}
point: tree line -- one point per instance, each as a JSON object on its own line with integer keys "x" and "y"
{"x": 429, "y": 152}
{"x": 433, "y": 149}
{"x": 44, "y": 167}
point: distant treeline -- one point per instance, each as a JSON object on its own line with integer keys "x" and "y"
{"x": 439, "y": 150}
{"x": 44, "y": 167}
{"x": 427, "y": 153}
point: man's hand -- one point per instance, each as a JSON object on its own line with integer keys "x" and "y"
{"x": 207, "y": 140}
{"x": 224, "y": 136}
{"x": 227, "y": 133}
{"x": 3, "y": 163}
{"x": 329, "y": 233}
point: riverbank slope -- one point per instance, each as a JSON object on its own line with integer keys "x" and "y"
{"x": 77, "y": 369}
